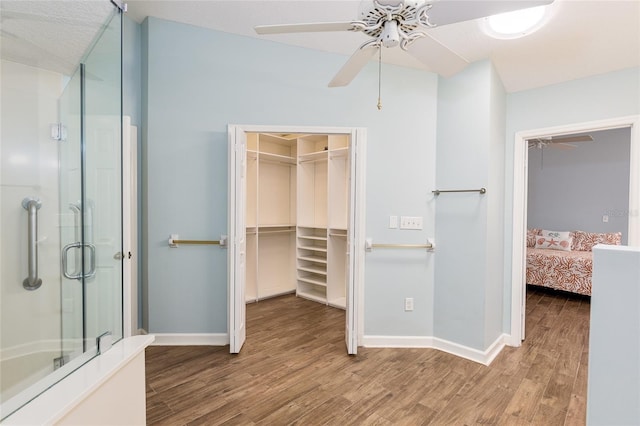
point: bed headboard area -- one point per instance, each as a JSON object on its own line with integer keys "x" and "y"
{"x": 570, "y": 240}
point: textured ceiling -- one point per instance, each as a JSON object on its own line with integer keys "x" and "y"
{"x": 582, "y": 38}
{"x": 50, "y": 34}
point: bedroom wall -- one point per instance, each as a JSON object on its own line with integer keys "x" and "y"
{"x": 611, "y": 95}
{"x": 572, "y": 189}
{"x": 196, "y": 81}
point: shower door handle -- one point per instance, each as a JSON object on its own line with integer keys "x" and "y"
{"x": 92, "y": 261}
{"x": 31, "y": 205}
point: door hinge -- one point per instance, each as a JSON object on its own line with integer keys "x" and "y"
{"x": 58, "y": 132}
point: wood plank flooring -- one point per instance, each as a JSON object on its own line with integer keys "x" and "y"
{"x": 294, "y": 369}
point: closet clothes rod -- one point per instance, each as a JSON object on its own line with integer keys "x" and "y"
{"x": 440, "y": 191}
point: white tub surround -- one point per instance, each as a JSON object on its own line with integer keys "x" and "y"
{"x": 108, "y": 390}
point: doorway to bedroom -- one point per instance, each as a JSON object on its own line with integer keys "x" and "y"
{"x": 585, "y": 185}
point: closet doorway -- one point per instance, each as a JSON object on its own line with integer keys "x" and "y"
{"x": 520, "y": 196}
{"x": 296, "y": 220}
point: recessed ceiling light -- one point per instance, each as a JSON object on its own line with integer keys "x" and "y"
{"x": 516, "y": 24}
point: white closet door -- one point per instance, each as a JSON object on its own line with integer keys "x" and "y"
{"x": 237, "y": 238}
{"x": 356, "y": 192}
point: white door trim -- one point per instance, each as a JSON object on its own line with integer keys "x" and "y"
{"x": 129, "y": 227}
{"x": 520, "y": 180}
{"x": 357, "y": 309}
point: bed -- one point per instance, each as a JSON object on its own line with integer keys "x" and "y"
{"x": 564, "y": 261}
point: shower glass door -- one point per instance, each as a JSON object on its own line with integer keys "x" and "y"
{"x": 51, "y": 320}
{"x": 90, "y": 200}
{"x": 71, "y": 220}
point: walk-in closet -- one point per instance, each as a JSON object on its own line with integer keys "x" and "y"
{"x": 297, "y": 209}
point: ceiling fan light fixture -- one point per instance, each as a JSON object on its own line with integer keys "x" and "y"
{"x": 390, "y": 36}
{"x": 516, "y": 24}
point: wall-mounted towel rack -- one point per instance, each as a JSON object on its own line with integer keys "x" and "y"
{"x": 369, "y": 245}
{"x": 174, "y": 240}
{"x": 440, "y": 191}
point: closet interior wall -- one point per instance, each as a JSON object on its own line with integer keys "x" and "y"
{"x": 297, "y": 210}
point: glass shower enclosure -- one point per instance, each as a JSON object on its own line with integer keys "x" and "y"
{"x": 61, "y": 185}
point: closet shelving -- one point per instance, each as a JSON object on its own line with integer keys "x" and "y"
{"x": 270, "y": 216}
{"x": 322, "y": 218}
{"x": 297, "y": 210}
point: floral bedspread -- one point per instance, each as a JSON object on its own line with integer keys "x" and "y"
{"x": 560, "y": 270}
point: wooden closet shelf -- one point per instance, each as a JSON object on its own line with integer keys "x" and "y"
{"x": 313, "y": 281}
{"x": 312, "y": 237}
{"x": 313, "y": 269}
{"x": 313, "y": 156}
{"x": 316, "y": 259}
{"x": 314, "y": 248}
{"x": 277, "y": 158}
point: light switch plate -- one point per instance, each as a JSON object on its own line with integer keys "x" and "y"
{"x": 393, "y": 222}
{"x": 411, "y": 222}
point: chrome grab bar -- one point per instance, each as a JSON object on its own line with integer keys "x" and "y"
{"x": 369, "y": 245}
{"x": 92, "y": 259}
{"x": 440, "y": 191}
{"x": 31, "y": 204}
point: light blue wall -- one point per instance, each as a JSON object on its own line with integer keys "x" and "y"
{"x": 572, "y": 189}
{"x": 611, "y": 95}
{"x": 468, "y": 265}
{"x": 196, "y": 81}
{"x": 495, "y": 211}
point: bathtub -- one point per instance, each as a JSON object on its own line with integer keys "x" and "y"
{"x": 25, "y": 368}
{"x": 87, "y": 396}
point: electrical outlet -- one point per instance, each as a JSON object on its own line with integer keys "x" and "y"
{"x": 408, "y": 304}
{"x": 605, "y": 218}
{"x": 393, "y": 222}
{"x": 410, "y": 222}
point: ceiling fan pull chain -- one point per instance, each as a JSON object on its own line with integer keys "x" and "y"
{"x": 379, "y": 77}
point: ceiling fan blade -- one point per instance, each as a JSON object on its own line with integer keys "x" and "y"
{"x": 352, "y": 67}
{"x": 563, "y": 139}
{"x": 306, "y": 28}
{"x": 561, "y": 146}
{"x": 436, "y": 56}
{"x": 446, "y": 12}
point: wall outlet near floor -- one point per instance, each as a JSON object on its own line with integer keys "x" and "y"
{"x": 410, "y": 222}
{"x": 605, "y": 218}
{"x": 408, "y": 304}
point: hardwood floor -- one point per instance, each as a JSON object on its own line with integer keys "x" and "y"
{"x": 294, "y": 369}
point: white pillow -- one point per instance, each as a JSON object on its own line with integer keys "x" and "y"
{"x": 554, "y": 240}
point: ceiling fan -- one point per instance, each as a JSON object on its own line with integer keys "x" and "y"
{"x": 405, "y": 23}
{"x": 560, "y": 142}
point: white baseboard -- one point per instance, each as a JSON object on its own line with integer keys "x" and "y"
{"x": 191, "y": 339}
{"x": 428, "y": 342}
